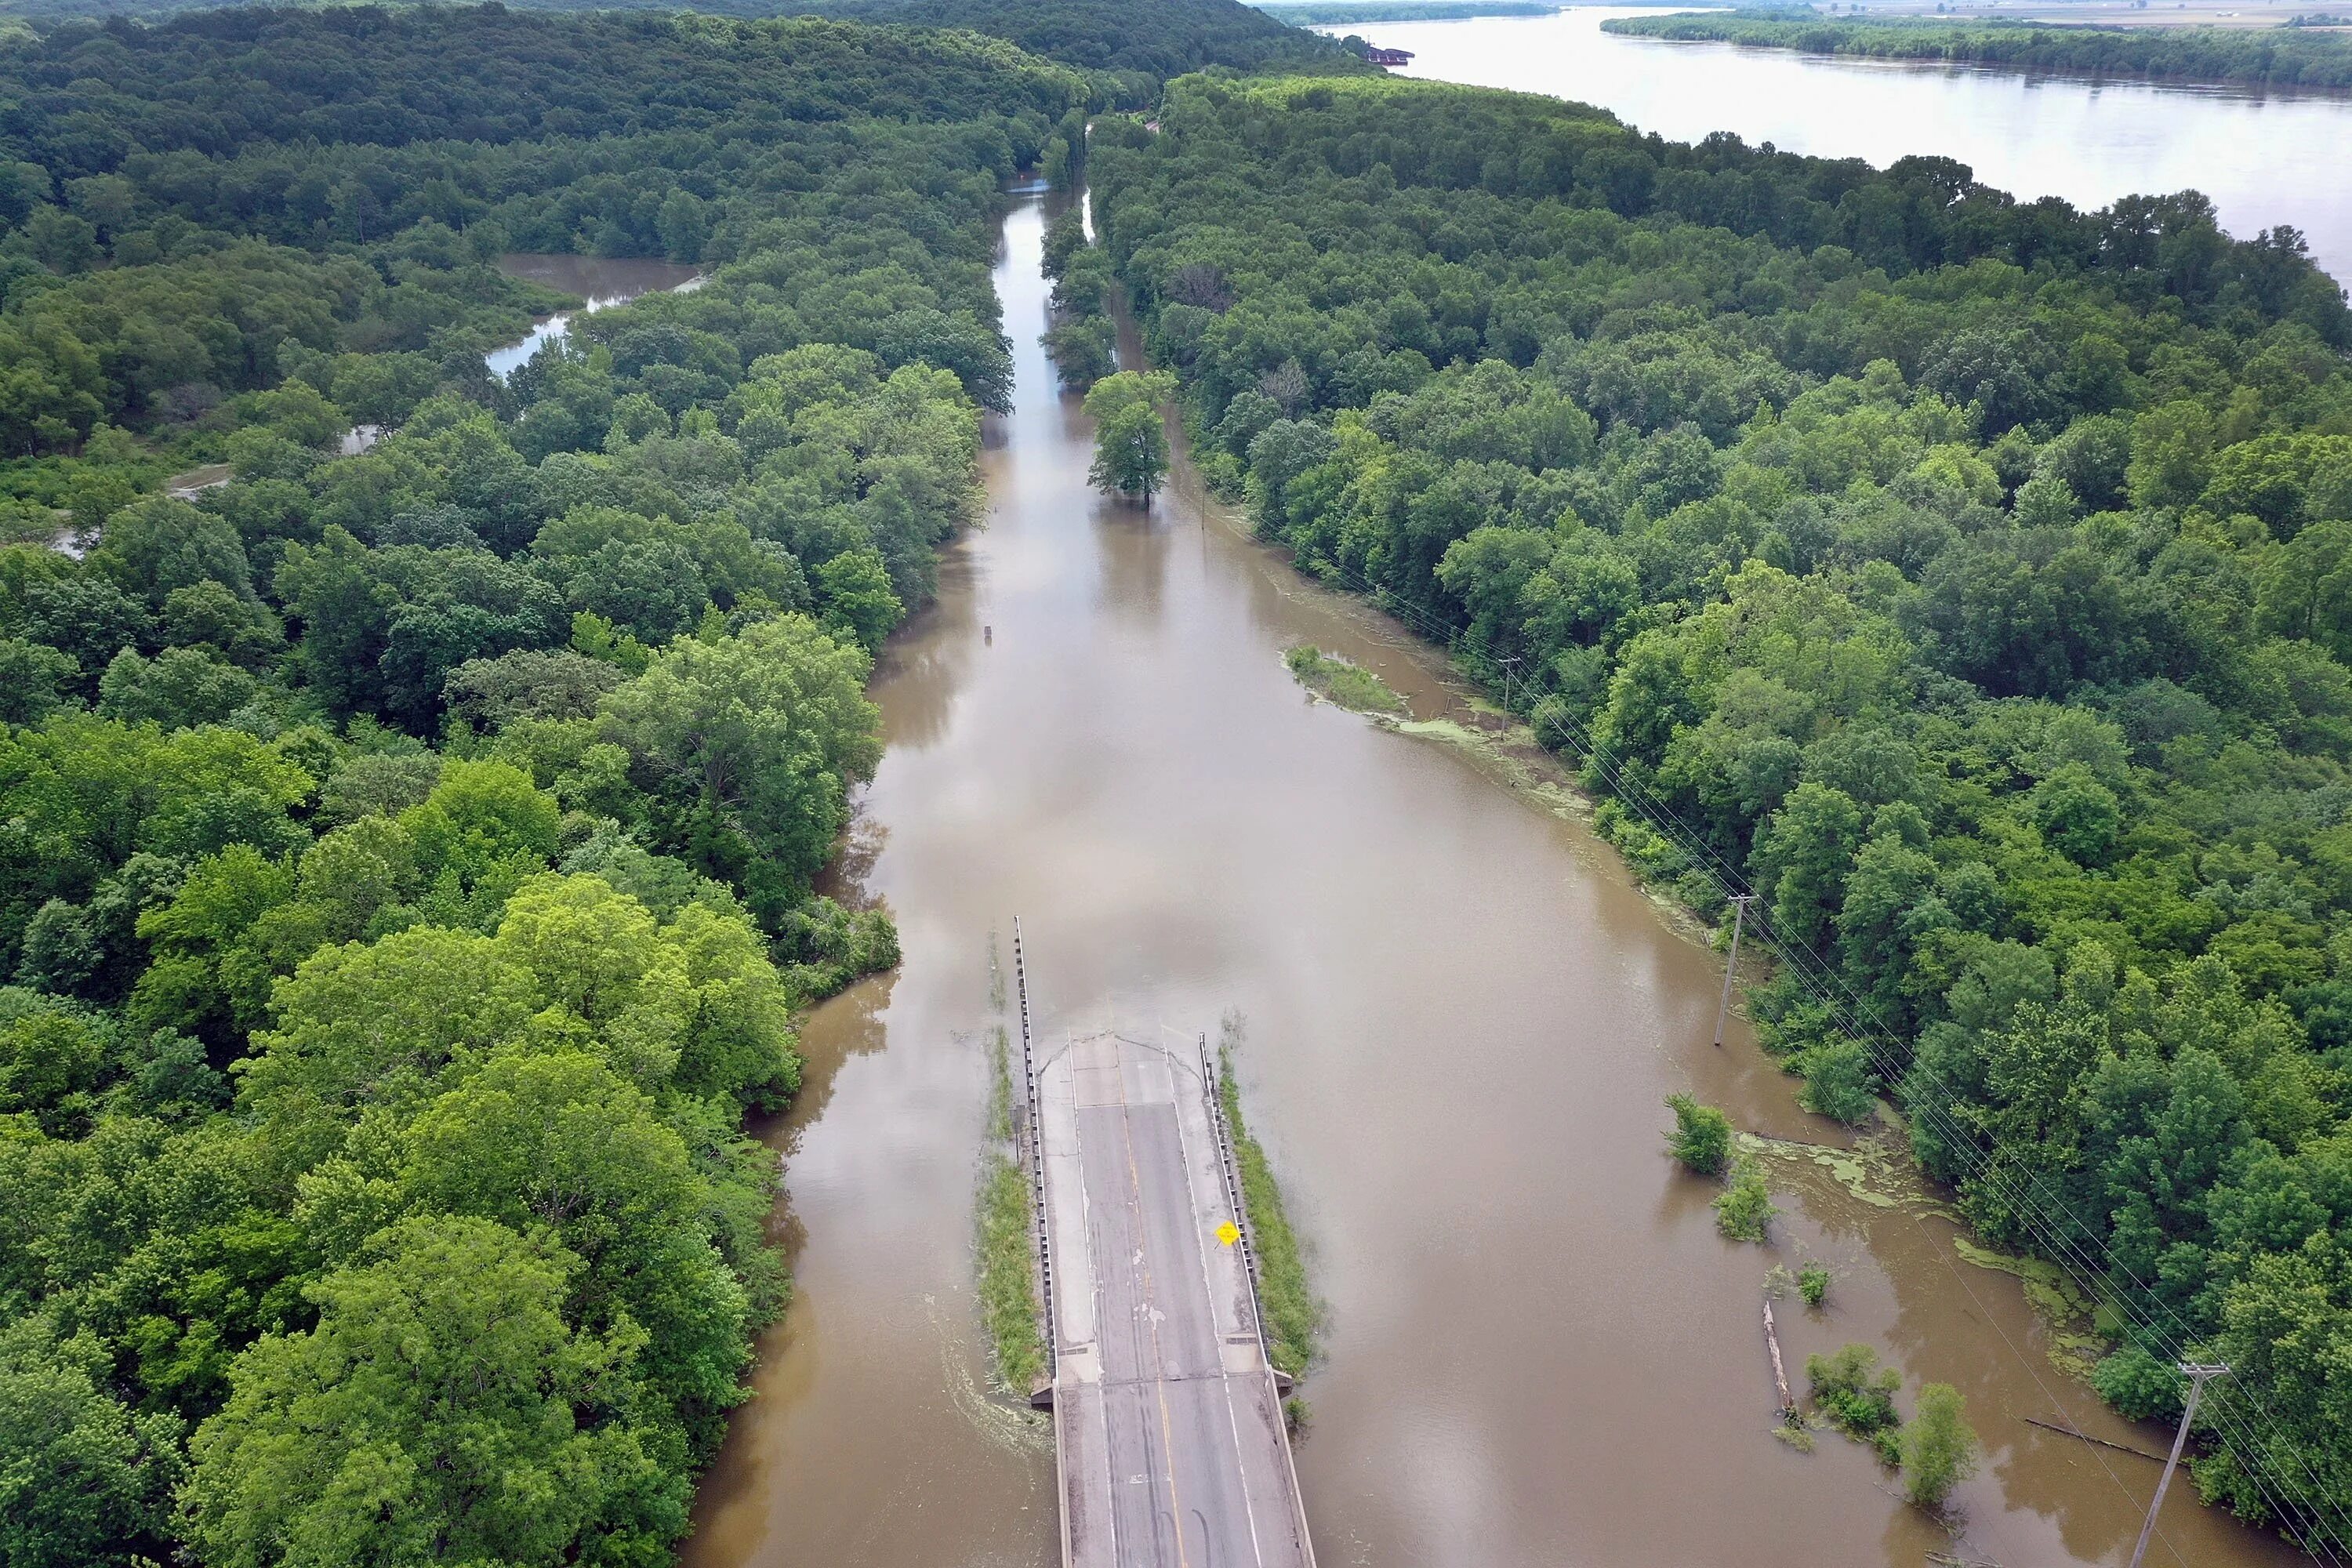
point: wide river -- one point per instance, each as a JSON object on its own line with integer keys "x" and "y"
{"x": 1462, "y": 1019}
{"x": 2263, "y": 157}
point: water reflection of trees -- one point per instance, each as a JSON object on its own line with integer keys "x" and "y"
{"x": 1134, "y": 560}
{"x": 928, "y": 663}
{"x": 836, "y": 1029}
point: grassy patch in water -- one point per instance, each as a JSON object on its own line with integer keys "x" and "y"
{"x": 1008, "y": 1284}
{"x": 1293, "y": 1316}
{"x": 1338, "y": 680}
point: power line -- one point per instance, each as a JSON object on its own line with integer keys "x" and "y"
{"x": 1817, "y": 976}
{"x": 1893, "y": 1065}
{"x": 2197, "y": 1375}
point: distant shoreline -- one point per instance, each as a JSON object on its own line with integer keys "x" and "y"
{"x": 2304, "y": 58}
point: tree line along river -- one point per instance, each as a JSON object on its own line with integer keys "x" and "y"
{"x": 2265, "y": 157}
{"x": 1462, "y": 1020}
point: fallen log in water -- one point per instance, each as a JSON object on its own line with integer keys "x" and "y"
{"x": 1780, "y": 1373}
{"x": 2102, "y": 1442}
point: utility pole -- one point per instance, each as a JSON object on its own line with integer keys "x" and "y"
{"x": 1739, "y": 902}
{"x": 1509, "y": 662}
{"x": 2196, "y": 1373}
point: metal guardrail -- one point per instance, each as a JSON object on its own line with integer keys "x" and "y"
{"x": 1226, "y": 1163}
{"x": 1036, "y": 1153}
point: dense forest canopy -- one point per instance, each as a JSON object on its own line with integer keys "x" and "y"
{"x": 1972, "y": 578}
{"x": 2270, "y": 57}
{"x": 407, "y": 858}
{"x": 83, "y": 99}
{"x": 1163, "y": 38}
{"x": 1157, "y": 40}
{"x": 407, "y": 855}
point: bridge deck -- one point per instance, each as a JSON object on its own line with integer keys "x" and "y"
{"x": 1168, "y": 1426}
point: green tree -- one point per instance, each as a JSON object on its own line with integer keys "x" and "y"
{"x": 1702, "y": 1136}
{"x": 1130, "y": 443}
{"x": 178, "y": 688}
{"x": 561, "y": 1142}
{"x": 853, "y": 595}
{"x": 2137, "y": 1384}
{"x": 2079, "y": 817}
{"x": 31, "y": 675}
{"x": 84, "y": 1480}
{"x": 1838, "y": 1081}
{"x": 1804, "y": 856}
{"x": 759, "y": 734}
{"x": 1084, "y": 350}
{"x": 1939, "y": 1448}
{"x": 442, "y": 1411}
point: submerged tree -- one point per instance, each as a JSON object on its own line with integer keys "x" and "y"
{"x": 1130, "y": 445}
{"x": 1939, "y": 1448}
{"x": 1702, "y": 1135}
{"x": 1745, "y": 1211}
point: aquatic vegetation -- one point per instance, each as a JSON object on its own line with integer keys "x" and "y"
{"x": 1341, "y": 681}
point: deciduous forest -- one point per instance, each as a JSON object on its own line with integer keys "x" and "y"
{"x": 1973, "y": 579}
{"x": 405, "y": 886}
{"x": 411, "y": 821}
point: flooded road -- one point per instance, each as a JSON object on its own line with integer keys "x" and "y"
{"x": 1462, "y": 1020}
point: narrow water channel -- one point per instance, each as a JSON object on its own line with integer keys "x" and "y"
{"x": 601, "y": 281}
{"x": 1462, "y": 1020}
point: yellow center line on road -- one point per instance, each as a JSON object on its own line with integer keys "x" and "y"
{"x": 1151, "y": 1316}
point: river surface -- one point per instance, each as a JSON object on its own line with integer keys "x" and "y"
{"x": 2265, "y": 156}
{"x": 1462, "y": 1019}
{"x": 600, "y": 280}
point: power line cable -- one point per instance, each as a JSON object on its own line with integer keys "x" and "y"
{"x": 1893, "y": 1063}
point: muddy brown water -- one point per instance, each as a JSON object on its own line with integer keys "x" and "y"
{"x": 600, "y": 280}
{"x": 1462, "y": 1020}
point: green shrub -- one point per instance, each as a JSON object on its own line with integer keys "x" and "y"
{"x": 1008, "y": 1286}
{"x": 1813, "y": 1284}
{"x": 1294, "y": 1318}
{"x": 1702, "y": 1135}
{"x": 1008, "y": 1291}
{"x": 1745, "y": 1210}
{"x": 1853, "y": 1391}
{"x": 1348, "y": 684}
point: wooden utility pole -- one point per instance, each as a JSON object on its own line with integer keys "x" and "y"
{"x": 2196, "y": 1373}
{"x": 1739, "y": 902}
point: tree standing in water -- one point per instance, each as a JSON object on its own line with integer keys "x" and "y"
{"x": 1939, "y": 1448}
{"x": 1130, "y": 445}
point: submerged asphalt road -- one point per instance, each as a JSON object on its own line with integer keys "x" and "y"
{"x": 1168, "y": 1427}
{"x": 1167, "y": 1408}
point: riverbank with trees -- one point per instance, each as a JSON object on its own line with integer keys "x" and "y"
{"x": 409, "y": 883}
{"x": 1946, "y": 569}
{"x": 2261, "y": 57}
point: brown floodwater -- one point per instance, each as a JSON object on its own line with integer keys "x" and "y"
{"x": 599, "y": 281}
{"x": 1462, "y": 1019}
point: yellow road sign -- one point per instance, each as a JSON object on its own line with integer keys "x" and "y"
{"x": 1229, "y": 1233}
